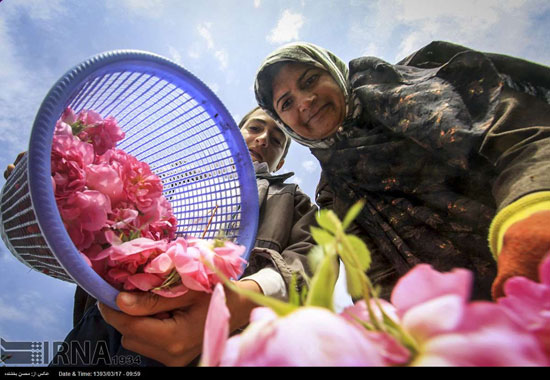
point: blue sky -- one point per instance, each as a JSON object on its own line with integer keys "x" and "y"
{"x": 221, "y": 42}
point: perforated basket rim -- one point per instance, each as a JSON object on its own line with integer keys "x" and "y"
{"x": 39, "y": 159}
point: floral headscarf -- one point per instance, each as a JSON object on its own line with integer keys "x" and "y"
{"x": 310, "y": 54}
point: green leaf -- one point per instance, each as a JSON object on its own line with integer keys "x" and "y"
{"x": 328, "y": 220}
{"x": 322, "y": 237}
{"x": 321, "y": 291}
{"x": 359, "y": 249}
{"x": 78, "y": 127}
{"x": 352, "y": 213}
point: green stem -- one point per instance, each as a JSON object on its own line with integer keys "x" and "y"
{"x": 367, "y": 286}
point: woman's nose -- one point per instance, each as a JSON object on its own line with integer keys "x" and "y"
{"x": 307, "y": 101}
{"x": 262, "y": 139}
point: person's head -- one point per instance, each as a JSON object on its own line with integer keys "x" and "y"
{"x": 305, "y": 89}
{"x": 264, "y": 139}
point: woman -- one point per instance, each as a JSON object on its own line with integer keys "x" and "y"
{"x": 447, "y": 147}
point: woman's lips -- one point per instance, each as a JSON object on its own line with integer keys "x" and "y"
{"x": 317, "y": 114}
{"x": 256, "y": 155}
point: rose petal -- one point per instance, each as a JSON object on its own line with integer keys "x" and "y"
{"x": 423, "y": 283}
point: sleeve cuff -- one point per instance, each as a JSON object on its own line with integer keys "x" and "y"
{"x": 516, "y": 211}
{"x": 270, "y": 281}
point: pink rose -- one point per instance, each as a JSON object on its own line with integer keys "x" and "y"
{"x": 103, "y": 134}
{"x": 434, "y": 310}
{"x": 528, "y": 303}
{"x": 89, "y": 117}
{"x": 228, "y": 259}
{"x": 70, "y": 157}
{"x": 106, "y": 179}
{"x": 309, "y": 336}
{"x": 68, "y": 116}
{"x": 126, "y": 260}
{"x": 88, "y": 209}
{"x": 158, "y": 221}
{"x": 190, "y": 262}
{"x": 142, "y": 186}
{"x": 194, "y": 274}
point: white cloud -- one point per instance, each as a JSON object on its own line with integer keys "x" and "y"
{"x": 193, "y": 53}
{"x": 393, "y": 29}
{"x": 174, "y": 55}
{"x": 257, "y": 3}
{"x": 39, "y": 9}
{"x": 297, "y": 180}
{"x": 32, "y": 311}
{"x": 310, "y": 165}
{"x": 18, "y": 99}
{"x": 222, "y": 57}
{"x": 287, "y": 29}
{"x": 10, "y": 313}
{"x": 149, "y": 8}
{"x": 214, "y": 87}
{"x": 468, "y": 20}
{"x": 204, "y": 32}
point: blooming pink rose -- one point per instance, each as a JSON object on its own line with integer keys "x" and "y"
{"x": 126, "y": 259}
{"x": 103, "y": 134}
{"x": 194, "y": 274}
{"x": 81, "y": 238}
{"x": 162, "y": 229}
{"x": 63, "y": 125}
{"x": 70, "y": 157}
{"x": 87, "y": 209}
{"x": 142, "y": 186}
{"x": 448, "y": 330}
{"x": 158, "y": 221}
{"x": 309, "y": 336}
{"x": 84, "y": 214}
{"x": 228, "y": 259}
{"x": 89, "y": 117}
{"x": 115, "y": 158}
{"x": 68, "y": 116}
{"x": 63, "y": 129}
{"x": 528, "y": 303}
{"x": 123, "y": 218}
{"x": 105, "y": 179}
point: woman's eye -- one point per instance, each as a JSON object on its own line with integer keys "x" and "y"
{"x": 311, "y": 79}
{"x": 286, "y": 104}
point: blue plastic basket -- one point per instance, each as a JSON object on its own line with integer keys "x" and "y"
{"x": 173, "y": 122}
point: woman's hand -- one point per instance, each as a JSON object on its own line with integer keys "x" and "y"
{"x": 525, "y": 244}
{"x": 171, "y": 330}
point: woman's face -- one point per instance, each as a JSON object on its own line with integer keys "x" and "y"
{"x": 265, "y": 140}
{"x": 308, "y": 100}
